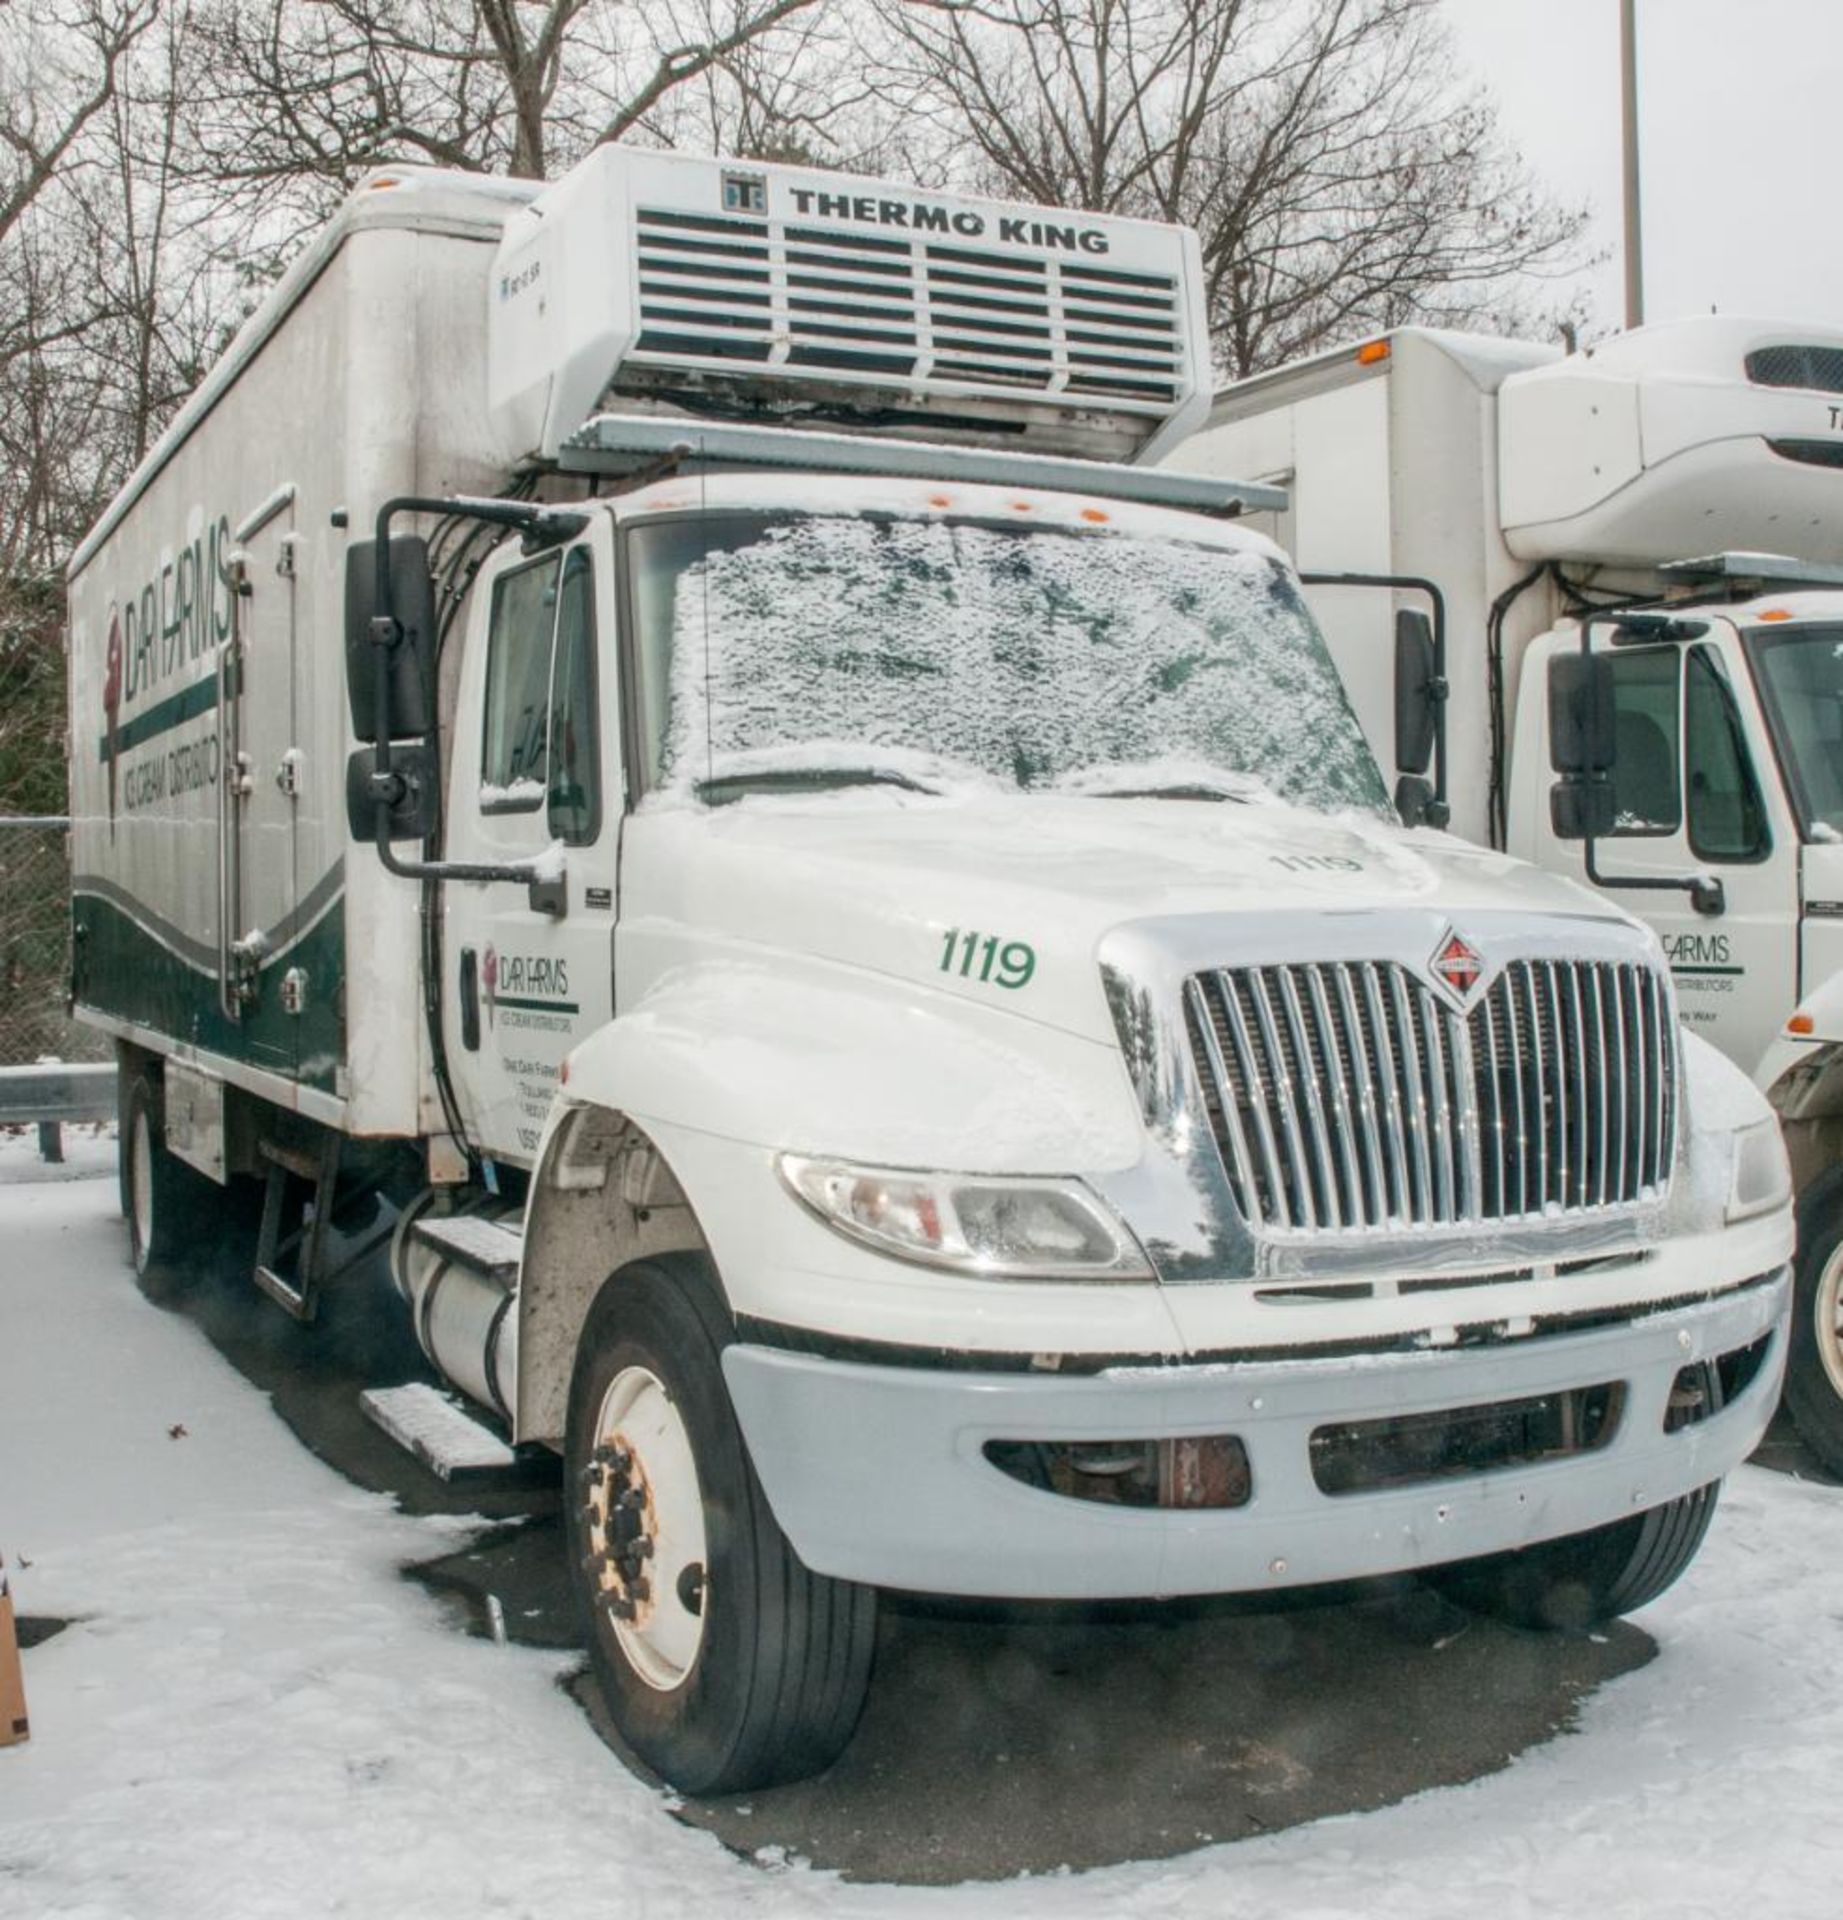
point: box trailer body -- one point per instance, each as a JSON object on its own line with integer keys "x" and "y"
{"x": 866, "y": 952}
{"x": 1669, "y": 500}
{"x": 360, "y": 396}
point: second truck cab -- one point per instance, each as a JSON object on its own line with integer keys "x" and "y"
{"x": 1639, "y": 552}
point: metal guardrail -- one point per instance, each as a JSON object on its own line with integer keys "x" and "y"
{"x": 53, "y": 1092}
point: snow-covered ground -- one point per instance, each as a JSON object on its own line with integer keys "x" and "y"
{"x": 254, "y": 1715}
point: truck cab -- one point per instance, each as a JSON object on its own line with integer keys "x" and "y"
{"x": 1723, "y": 828}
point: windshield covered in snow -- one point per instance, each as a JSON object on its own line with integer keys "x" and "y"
{"x": 798, "y": 652}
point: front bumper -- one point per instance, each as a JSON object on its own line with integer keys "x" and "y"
{"x": 877, "y": 1473}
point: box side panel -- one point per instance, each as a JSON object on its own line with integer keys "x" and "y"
{"x": 161, "y": 884}
{"x": 1443, "y": 478}
{"x": 414, "y": 424}
{"x": 353, "y": 400}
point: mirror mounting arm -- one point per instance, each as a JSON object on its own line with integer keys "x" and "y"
{"x": 1438, "y": 812}
{"x": 542, "y": 527}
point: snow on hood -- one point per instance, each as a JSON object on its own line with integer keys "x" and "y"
{"x": 894, "y": 881}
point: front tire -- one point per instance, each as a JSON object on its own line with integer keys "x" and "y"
{"x": 725, "y": 1663}
{"x": 1814, "y": 1354}
{"x": 1584, "y": 1579}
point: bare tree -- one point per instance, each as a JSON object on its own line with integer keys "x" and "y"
{"x": 112, "y": 302}
{"x": 58, "y": 64}
{"x": 1338, "y": 176}
{"x": 306, "y": 98}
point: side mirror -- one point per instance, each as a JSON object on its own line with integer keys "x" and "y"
{"x": 1581, "y": 713}
{"x": 1416, "y": 804}
{"x": 412, "y": 667}
{"x": 412, "y": 790}
{"x": 1581, "y": 808}
{"x": 1418, "y": 691}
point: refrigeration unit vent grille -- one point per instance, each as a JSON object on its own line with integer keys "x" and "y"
{"x": 1817, "y": 369}
{"x": 876, "y": 308}
{"x": 1810, "y": 453}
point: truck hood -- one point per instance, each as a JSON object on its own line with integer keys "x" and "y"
{"x": 1006, "y": 898}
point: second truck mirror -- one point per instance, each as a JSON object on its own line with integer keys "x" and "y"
{"x": 1580, "y": 808}
{"x": 412, "y": 605}
{"x": 1416, "y": 705}
{"x": 1580, "y": 713}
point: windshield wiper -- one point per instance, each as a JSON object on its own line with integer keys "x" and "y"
{"x": 1170, "y": 777}
{"x": 723, "y": 788}
{"x": 1180, "y": 790}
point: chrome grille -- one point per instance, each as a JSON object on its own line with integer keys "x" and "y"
{"x": 874, "y": 307}
{"x": 1347, "y": 1096}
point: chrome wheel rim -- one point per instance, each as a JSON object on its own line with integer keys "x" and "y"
{"x": 650, "y": 1575}
{"x": 1827, "y": 1319}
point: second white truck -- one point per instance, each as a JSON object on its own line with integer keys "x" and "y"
{"x": 1647, "y": 538}
{"x": 659, "y": 740}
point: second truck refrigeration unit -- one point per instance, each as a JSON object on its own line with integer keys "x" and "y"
{"x": 1672, "y": 502}
{"x": 664, "y": 725}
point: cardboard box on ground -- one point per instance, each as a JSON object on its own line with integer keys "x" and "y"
{"x": 14, "y": 1726}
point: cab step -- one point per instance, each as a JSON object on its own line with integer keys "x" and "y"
{"x": 440, "y": 1432}
{"x": 491, "y": 1248}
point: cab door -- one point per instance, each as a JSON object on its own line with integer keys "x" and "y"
{"x": 1694, "y": 793}
{"x": 528, "y": 971}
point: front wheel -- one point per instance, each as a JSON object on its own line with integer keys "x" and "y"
{"x": 1814, "y": 1354}
{"x": 1585, "y": 1578}
{"x": 725, "y": 1663}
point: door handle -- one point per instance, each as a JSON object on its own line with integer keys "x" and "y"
{"x": 470, "y": 1000}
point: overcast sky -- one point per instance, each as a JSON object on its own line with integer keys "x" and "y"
{"x": 1740, "y": 108}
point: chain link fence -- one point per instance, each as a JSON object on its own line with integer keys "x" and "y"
{"x": 35, "y": 947}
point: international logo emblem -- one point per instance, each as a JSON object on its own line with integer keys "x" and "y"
{"x": 1457, "y": 965}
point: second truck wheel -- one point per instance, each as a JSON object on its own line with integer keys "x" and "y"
{"x": 1814, "y": 1357}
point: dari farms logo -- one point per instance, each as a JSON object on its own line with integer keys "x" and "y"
{"x": 524, "y": 983}
{"x": 112, "y": 706}
{"x": 1456, "y": 965}
{"x": 157, "y": 667}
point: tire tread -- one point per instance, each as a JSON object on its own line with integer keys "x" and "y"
{"x": 1810, "y": 1397}
{"x": 810, "y": 1654}
{"x": 1601, "y": 1574}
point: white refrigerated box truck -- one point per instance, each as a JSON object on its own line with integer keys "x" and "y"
{"x": 1671, "y": 501}
{"x": 663, "y": 735}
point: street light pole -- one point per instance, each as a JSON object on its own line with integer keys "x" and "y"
{"x": 1634, "y": 236}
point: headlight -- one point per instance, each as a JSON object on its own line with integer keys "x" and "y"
{"x": 1019, "y": 1229}
{"x": 1762, "y": 1178}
